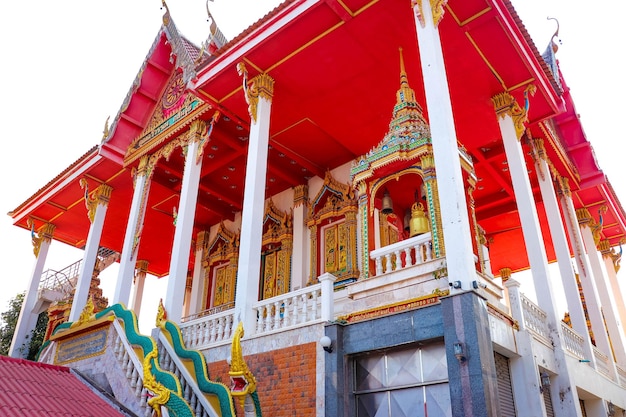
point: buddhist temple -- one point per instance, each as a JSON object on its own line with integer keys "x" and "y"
{"x": 341, "y": 197}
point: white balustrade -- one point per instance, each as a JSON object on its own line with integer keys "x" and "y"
{"x": 208, "y": 330}
{"x": 293, "y": 309}
{"x": 535, "y": 319}
{"x": 574, "y": 343}
{"x": 602, "y": 362}
{"x": 416, "y": 250}
{"x": 131, "y": 366}
{"x": 621, "y": 374}
{"x": 191, "y": 392}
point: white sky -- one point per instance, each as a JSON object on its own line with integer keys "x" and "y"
{"x": 67, "y": 66}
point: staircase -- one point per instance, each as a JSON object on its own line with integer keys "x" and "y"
{"x": 143, "y": 373}
{"x": 57, "y": 286}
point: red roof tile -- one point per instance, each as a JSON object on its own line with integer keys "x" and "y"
{"x": 36, "y": 389}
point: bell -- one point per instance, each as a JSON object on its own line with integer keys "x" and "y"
{"x": 419, "y": 222}
{"x": 407, "y": 220}
{"x": 387, "y": 203}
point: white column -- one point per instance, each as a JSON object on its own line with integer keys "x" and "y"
{"x": 27, "y": 319}
{"x": 506, "y": 109}
{"x": 133, "y": 233}
{"x": 140, "y": 280}
{"x": 179, "y": 262}
{"x": 455, "y": 221}
{"x": 607, "y": 302}
{"x": 561, "y": 248}
{"x": 299, "y": 254}
{"x": 524, "y": 371}
{"x": 590, "y": 291}
{"x": 248, "y": 274}
{"x": 611, "y": 263}
{"x": 196, "y": 302}
{"x": 97, "y": 207}
{"x": 328, "y": 295}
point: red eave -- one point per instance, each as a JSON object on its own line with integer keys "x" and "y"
{"x": 70, "y": 172}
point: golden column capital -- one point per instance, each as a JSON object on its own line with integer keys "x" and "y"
{"x": 101, "y": 196}
{"x": 437, "y": 7}
{"x": 300, "y": 195}
{"x": 44, "y": 234}
{"x": 201, "y": 240}
{"x": 505, "y": 105}
{"x": 505, "y": 274}
{"x": 260, "y": 86}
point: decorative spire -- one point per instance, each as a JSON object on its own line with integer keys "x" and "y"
{"x": 407, "y": 122}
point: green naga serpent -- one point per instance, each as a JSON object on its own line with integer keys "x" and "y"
{"x": 218, "y": 394}
{"x": 163, "y": 386}
{"x": 243, "y": 381}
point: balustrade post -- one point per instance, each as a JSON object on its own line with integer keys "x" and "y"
{"x": 328, "y": 295}
{"x": 407, "y": 258}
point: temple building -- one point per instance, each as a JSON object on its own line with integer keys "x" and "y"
{"x": 341, "y": 197}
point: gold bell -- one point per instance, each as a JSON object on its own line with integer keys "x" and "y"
{"x": 387, "y": 203}
{"x": 419, "y": 221}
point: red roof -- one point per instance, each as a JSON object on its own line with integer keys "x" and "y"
{"x": 36, "y": 389}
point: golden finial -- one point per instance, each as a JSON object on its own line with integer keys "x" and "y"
{"x": 105, "y": 132}
{"x": 161, "y": 317}
{"x": 554, "y": 45}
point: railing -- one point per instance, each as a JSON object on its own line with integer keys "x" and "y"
{"x": 208, "y": 312}
{"x": 574, "y": 343}
{"x": 294, "y": 309}
{"x": 535, "y": 319}
{"x": 60, "y": 280}
{"x": 621, "y": 375}
{"x": 131, "y": 365}
{"x": 207, "y": 330}
{"x": 602, "y": 363}
{"x": 169, "y": 361}
{"x": 416, "y": 250}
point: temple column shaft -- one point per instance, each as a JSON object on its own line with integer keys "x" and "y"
{"x": 561, "y": 248}
{"x": 196, "y": 302}
{"x": 27, "y": 320}
{"x": 506, "y": 108}
{"x": 132, "y": 236}
{"x": 101, "y": 202}
{"x": 611, "y": 263}
{"x": 140, "y": 280}
{"x": 179, "y": 262}
{"x": 248, "y": 274}
{"x": 454, "y": 215}
{"x": 607, "y": 302}
{"x": 590, "y": 292}
{"x": 299, "y": 254}
{"x": 472, "y": 381}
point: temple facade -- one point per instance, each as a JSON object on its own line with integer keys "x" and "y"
{"x": 341, "y": 197}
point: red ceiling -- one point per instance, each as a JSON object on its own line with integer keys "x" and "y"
{"x": 336, "y": 71}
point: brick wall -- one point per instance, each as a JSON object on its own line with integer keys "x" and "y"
{"x": 285, "y": 380}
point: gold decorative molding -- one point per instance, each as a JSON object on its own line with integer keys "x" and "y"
{"x": 260, "y": 86}
{"x": 506, "y": 105}
{"x": 201, "y": 240}
{"x": 203, "y": 138}
{"x": 300, "y": 195}
{"x": 44, "y": 234}
{"x": 564, "y": 189}
{"x": 101, "y": 196}
{"x": 505, "y": 274}
{"x": 437, "y": 7}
